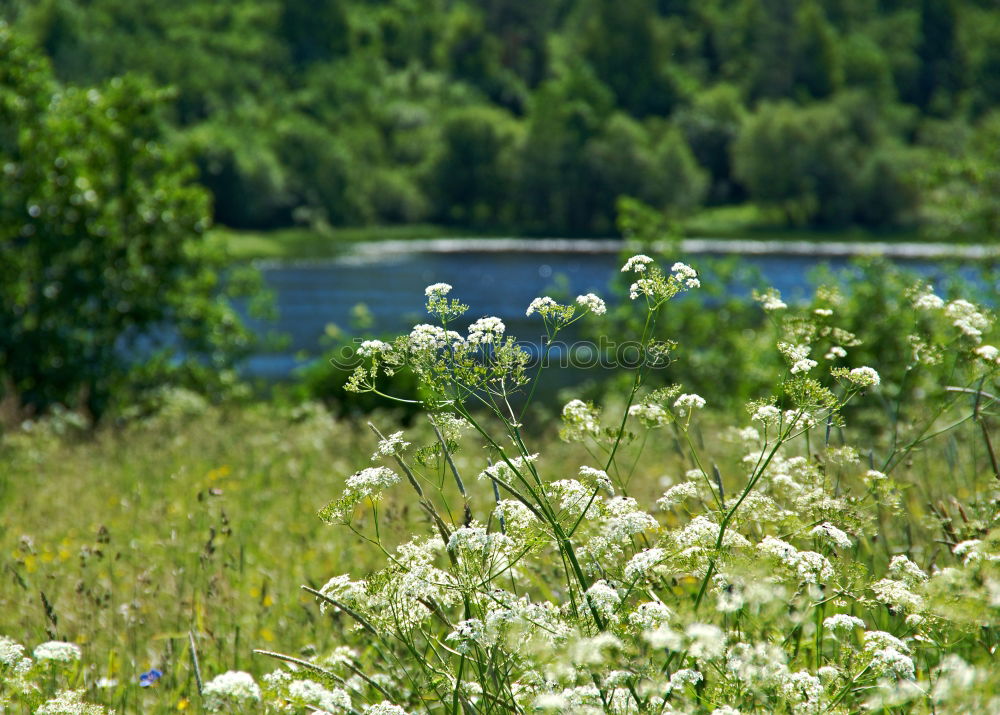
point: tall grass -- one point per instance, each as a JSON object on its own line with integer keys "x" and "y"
{"x": 646, "y": 555}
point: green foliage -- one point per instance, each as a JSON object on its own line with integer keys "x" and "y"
{"x": 347, "y": 112}
{"x": 105, "y": 265}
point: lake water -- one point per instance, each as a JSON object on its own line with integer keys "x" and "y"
{"x": 390, "y": 283}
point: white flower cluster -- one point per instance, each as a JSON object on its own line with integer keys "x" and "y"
{"x": 637, "y": 264}
{"x": 232, "y": 688}
{"x": 988, "y": 353}
{"x": 368, "y": 348}
{"x": 58, "y": 651}
{"x": 683, "y": 273}
{"x": 651, "y": 415}
{"x": 643, "y": 562}
{"x": 767, "y": 414}
{"x": 592, "y": 303}
{"x": 864, "y": 377}
{"x": 69, "y": 702}
{"x": 926, "y": 299}
{"x": 598, "y": 477}
{"x": 897, "y": 594}
{"x": 798, "y": 355}
{"x": 966, "y": 317}
{"x": 678, "y": 493}
{"x": 831, "y": 533}
{"x": 392, "y": 445}
{"x": 770, "y": 300}
{"x": 809, "y": 566}
{"x": 309, "y": 692}
{"x": 371, "y": 481}
{"x": 688, "y": 403}
{"x": 486, "y": 330}
{"x": 543, "y": 306}
{"x": 437, "y": 290}
{"x": 842, "y": 623}
{"x": 579, "y": 420}
{"x": 433, "y": 337}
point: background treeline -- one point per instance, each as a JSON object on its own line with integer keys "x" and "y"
{"x": 535, "y": 116}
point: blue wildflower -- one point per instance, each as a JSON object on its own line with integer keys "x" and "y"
{"x": 150, "y": 677}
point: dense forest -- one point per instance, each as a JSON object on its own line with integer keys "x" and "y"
{"x": 534, "y": 117}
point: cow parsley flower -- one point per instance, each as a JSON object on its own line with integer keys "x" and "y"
{"x": 678, "y": 493}
{"x": 905, "y": 570}
{"x": 486, "y": 330}
{"x": 683, "y": 273}
{"x": 312, "y": 693}
{"x": 864, "y": 377}
{"x": 650, "y": 415}
{"x": 682, "y": 677}
{"x": 835, "y": 352}
{"x": 383, "y": 708}
{"x": 637, "y": 263}
{"x": 688, "y": 403}
{"x": 705, "y": 641}
{"x": 988, "y": 353}
{"x": 831, "y": 533}
{"x": 592, "y": 303}
{"x": 770, "y": 300}
{"x": 543, "y": 306}
{"x": 767, "y": 414}
{"x": 580, "y": 420}
{"x": 603, "y": 598}
{"x": 927, "y": 300}
{"x": 11, "y": 651}
{"x": 371, "y": 481}
{"x": 58, "y": 651}
{"x": 437, "y": 290}
{"x": 69, "y": 702}
{"x": 233, "y": 687}
{"x": 368, "y": 348}
{"x": 967, "y": 318}
{"x": 598, "y": 477}
{"x": 392, "y": 445}
{"x": 889, "y": 661}
{"x": 650, "y": 615}
{"x": 897, "y": 595}
{"x": 842, "y": 623}
{"x": 643, "y": 562}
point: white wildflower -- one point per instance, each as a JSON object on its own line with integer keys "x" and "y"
{"x": 373, "y": 347}
{"x": 896, "y": 594}
{"x": 603, "y": 598}
{"x": 233, "y": 687}
{"x": 688, "y": 403}
{"x": 988, "y": 353}
{"x": 905, "y": 570}
{"x": 59, "y": 651}
{"x": 650, "y": 615}
{"x": 880, "y": 639}
{"x": 682, "y": 677}
{"x": 592, "y": 303}
{"x": 835, "y": 352}
{"x": 370, "y": 481}
{"x": 889, "y": 661}
{"x": 580, "y": 420}
{"x": 864, "y": 377}
{"x": 770, "y": 300}
{"x": 312, "y": 693}
{"x": 927, "y": 300}
{"x": 683, "y": 273}
{"x": 486, "y": 330}
{"x": 767, "y": 414}
{"x": 637, "y": 263}
{"x": 649, "y": 414}
{"x": 69, "y": 702}
{"x": 391, "y": 445}
{"x": 437, "y": 290}
{"x": 643, "y": 562}
{"x": 706, "y": 641}
{"x": 842, "y": 623}
{"x": 543, "y": 306}
{"x": 823, "y": 312}
{"x": 11, "y": 651}
{"x": 967, "y": 318}
{"x": 678, "y": 493}
{"x": 598, "y": 477}
{"x": 831, "y": 533}
{"x": 383, "y": 708}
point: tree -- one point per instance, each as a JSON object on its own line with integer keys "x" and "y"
{"x": 106, "y": 278}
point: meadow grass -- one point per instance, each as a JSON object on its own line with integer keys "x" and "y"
{"x": 818, "y": 551}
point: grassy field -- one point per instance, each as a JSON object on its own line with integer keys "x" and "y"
{"x": 828, "y": 547}
{"x": 746, "y": 221}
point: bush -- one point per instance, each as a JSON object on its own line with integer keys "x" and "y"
{"x": 106, "y": 279}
